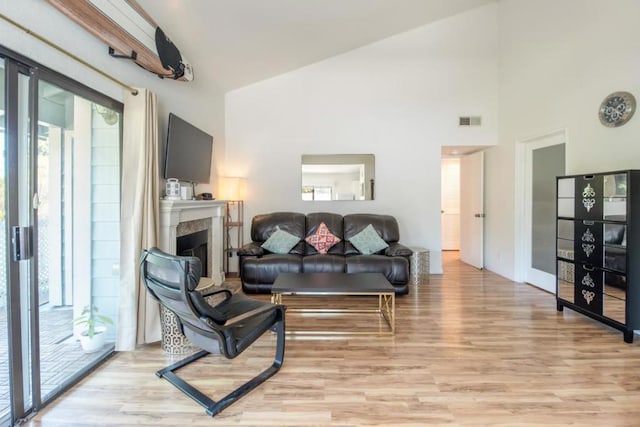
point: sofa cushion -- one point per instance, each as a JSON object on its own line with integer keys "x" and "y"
{"x": 280, "y": 242}
{"x": 323, "y": 263}
{"x": 368, "y": 241}
{"x": 265, "y": 269}
{"x": 322, "y": 239}
{"x": 385, "y": 225}
{"x": 334, "y": 224}
{"x": 395, "y": 269}
{"x": 251, "y": 249}
{"x": 264, "y": 225}
{"x": 396, "y": 249}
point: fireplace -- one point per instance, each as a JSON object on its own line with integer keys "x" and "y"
{"x": 202, "y": 218}
{"x": 195, "y": 244}
{"x": 193, "y": 238}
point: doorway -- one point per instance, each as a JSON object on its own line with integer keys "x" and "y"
{"x": 539, "y": 161}
{"x": 462, "y": 202}
{"x": 450, "y": 203}
{"x": 60, "y": 215}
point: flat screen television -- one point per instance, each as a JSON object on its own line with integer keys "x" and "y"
{"x": 188, "y": 152}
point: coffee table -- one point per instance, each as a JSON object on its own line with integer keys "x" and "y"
{"x": 338, "y": 284}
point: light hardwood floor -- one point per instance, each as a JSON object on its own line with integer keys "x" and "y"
{"x": 471, "y": 349}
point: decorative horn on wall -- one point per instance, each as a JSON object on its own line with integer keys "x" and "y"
{"x": 130, "y": 33}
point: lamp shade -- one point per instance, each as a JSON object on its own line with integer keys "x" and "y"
{"x": 232, "y": 188}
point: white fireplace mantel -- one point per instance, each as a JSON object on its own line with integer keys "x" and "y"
{"x": 174, "y": 212}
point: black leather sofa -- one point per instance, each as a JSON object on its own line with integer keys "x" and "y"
{"x": 259, "y": 267}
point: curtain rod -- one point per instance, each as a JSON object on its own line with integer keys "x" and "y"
{"x": 133, "y": 90}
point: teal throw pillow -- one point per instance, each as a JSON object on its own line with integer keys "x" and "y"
{"x": 368, "y": 241}
{"x": 280, "y": 242}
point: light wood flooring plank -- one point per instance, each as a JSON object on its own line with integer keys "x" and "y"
{"x": 471, "y": 349}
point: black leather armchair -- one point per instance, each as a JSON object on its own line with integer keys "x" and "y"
{"x": 228, "y": 327}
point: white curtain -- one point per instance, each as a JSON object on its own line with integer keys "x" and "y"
{"x": 138, "y": 318}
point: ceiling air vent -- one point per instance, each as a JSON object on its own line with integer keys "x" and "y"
{"x": 470, "y": 121}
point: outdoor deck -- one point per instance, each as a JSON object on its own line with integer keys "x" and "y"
{"x": 60, "y": 354}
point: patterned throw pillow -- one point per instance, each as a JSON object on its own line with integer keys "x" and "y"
{"x": 368, "y": 241}
{"x": 280, "y": 242}
{"x": 322, "y": 239}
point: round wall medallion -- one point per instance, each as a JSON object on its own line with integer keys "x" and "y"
{"x": 617, "y": 109}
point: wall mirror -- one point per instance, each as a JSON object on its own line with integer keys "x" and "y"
{"x": 338, "y": 177}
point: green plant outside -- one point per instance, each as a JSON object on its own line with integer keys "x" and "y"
{"x": 90, "y": 319}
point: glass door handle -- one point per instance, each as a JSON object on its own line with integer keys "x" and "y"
{"x": 21, "y": 243}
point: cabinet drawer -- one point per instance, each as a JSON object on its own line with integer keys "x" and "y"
{"x": 599, "y": 291}
{"x": 589, "y": 197}
{"x": 588, "y": 288}
{"x": 597, "y": 243}
{"x": 588, "y": 242}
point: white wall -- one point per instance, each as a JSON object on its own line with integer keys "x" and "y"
{"x": 558, "y": 60}
{"x": 202, "y": 106}
{"x": 399, "y": 99}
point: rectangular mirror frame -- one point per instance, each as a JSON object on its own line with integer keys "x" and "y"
{"x": 324, "y": 165}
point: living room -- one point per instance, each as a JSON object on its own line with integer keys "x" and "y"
{"x": 527, "y": 68}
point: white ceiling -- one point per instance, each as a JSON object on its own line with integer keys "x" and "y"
{"x": 233, "y": 43}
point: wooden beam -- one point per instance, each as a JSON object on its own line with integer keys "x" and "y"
{"x": 112, "y": 34}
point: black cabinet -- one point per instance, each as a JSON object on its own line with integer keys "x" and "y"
{"x": 598, "y": 253}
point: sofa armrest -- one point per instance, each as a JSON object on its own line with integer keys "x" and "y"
{"x": 397, "y": 249}
{"x": 251, "y": 249}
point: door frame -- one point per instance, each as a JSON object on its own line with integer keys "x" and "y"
{"x": 23, "y": 325}
{"x": 22, "y": 290}
{"x": 522, "y": 210}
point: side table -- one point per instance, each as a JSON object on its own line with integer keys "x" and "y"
{"x": 419, "y": 266}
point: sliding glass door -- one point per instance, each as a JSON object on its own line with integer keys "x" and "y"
{"x": 18, "y": 262}
{"x": 60, "y": 185}
{"x": 4, "y": 311}
{"x": 77, "y": 212}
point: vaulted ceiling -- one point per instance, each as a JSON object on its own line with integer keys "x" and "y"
{"x": 233, "y": 43}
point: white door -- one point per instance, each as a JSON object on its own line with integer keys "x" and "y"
{"x": 544, "y": 161}
{"x": 450, "y": 204}
{"x": 472, "y": 209}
